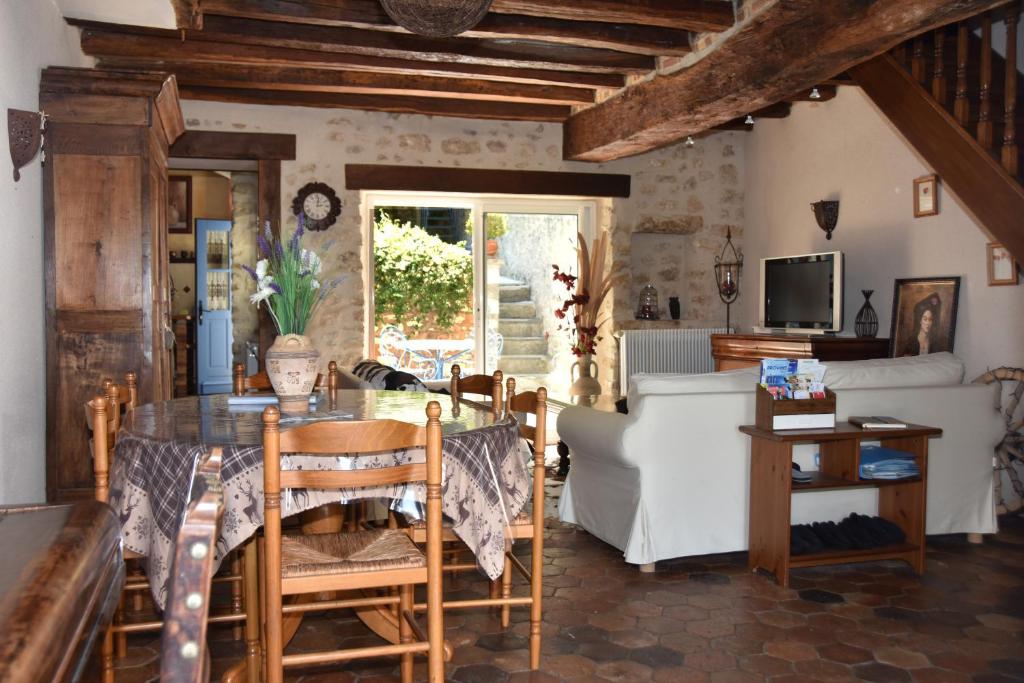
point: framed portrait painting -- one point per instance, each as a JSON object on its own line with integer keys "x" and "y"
{"x": 1002, "y": 267}
{"x": 179, "y": 204}
{"x": 926, "y": 199}
{"x": 923, "y": 315}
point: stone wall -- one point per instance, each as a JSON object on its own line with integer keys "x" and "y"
{"x": 693, "y": 191}
{"x": 245, "y": 320}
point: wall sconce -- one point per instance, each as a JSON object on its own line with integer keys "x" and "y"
{"x": 728, "y": 265}
{"x": 25, "y": 136}
{"x": 826, "y": 212}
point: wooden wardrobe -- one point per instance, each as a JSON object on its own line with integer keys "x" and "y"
{"x": 105, "y": 250}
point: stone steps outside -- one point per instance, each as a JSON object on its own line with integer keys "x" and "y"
{"x": 513, "y": 293}
{"x": 520, "y": 327}
{"x": 518, "y": 309}
{"x": 514, "y": 365}
{"x": 525, "y": 346}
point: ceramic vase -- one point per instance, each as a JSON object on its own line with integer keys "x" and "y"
{"x": 586, "y": 383}
{"x": 866, "y": 323}
{"x": 292, "y": 364}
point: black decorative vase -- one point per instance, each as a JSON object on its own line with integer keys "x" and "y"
{"x": 673, "y": 307}
{"x": 866, "y": 324}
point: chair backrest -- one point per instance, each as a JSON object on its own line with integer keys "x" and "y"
{"x": 121, "y": 397}
{"x": 183, "y": 641}
{"x": 534, "y": 402}
{"x": 260, "y": 381}
{"x": 100, "y": 418}
{"x": 485, "y": 385}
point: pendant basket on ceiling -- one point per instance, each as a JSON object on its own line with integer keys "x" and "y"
{"x": 436, "y": 18}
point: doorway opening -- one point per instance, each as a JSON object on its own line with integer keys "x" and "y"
{"x": 212, "y": 224}
{"x": 466, "y": 279}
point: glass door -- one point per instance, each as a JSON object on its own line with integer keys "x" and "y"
{"x": 213, "y": 306}
{"x": 424, "y": 297}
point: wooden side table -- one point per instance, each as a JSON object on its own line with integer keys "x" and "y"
{"x": 900, "y": 501}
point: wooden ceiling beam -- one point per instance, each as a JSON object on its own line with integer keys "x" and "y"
{"x": 363, "y": 82}
{"x": 695, "y": 15}
{"x": 787, "y": 45}
{"x": 624, "y": 37}
{"x": 429, "y": 106}
{"x": 528, "y": 54}
{"x": 117, "y": 47}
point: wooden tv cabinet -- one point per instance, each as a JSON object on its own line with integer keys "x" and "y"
{"x": 732, "y": 351}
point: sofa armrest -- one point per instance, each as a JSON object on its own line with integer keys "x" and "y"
{"x": 594, "y": 434}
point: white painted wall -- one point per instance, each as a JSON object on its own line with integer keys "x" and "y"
{"x": 155, "y": 13}
{"x": 32, "y": 35}
{"x": 847, "y": 150}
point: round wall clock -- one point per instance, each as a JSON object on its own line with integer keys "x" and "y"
{"x": 319, "y": 203}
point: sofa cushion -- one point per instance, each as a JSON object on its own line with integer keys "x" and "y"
{"x": 935, "y": 369}
{"x": 645, "y": 384}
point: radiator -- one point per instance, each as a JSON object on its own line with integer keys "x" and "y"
{"x": 685, "y": 352}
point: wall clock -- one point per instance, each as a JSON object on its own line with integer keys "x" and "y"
{"x": 319, "y": 203}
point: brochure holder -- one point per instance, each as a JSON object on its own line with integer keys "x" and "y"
{"x": 797, "y": 413}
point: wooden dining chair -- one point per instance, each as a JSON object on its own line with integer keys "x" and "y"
{"x": 523, "y": 526}
{"x": 102, "y": 414}
{"x": 183, "y": 657}
{"x": 369, "y": 559}
{"x": 485, "y": 385}
{"x": 260, "y": 381}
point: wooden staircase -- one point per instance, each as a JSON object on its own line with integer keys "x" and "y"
{"x": 954, "y": 98}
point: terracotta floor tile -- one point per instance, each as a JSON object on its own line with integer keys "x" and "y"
{"x": 707, "y": 619}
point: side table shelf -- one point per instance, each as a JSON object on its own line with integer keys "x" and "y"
{"x": 900, "y": 501}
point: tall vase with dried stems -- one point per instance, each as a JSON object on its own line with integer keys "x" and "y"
{"x": 578, "y": 314}
{"x": 288, "y": 280}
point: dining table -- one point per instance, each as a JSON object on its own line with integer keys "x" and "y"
{"x": 485, "y": 478}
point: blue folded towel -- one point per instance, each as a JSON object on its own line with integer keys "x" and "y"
{"x": 877, "y": 462}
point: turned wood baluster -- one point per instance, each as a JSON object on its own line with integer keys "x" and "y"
{"x": 939, "y": 68}
{"x": 962, "y": 106}
{"x": 985, "y": 92}
{"x": 917, "y": 62}
{"x": 1010, "y": 109}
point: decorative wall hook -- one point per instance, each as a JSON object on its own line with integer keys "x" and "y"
{"x": 826, "y": 212}
{"x": 25, "y": 135}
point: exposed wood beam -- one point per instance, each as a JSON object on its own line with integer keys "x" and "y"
{"x": 696, "y": 15}
{"x": 429, "y": 106}
{"x": 445, "y": 179}
{"x": 986, "y": 190}
{"x": 111, "y": 48}
{"x": 208, "y": 144}
{"x": 469, "y": 51}
{"x": 366, "y": 82}
{"x": 407, "y": 46}
{"x": 788, "y": 45}
{"x": 635, "y": 38}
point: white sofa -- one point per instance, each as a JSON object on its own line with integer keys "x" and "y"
{"x": 671, "y": 478}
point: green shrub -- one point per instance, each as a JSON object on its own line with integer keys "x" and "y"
{"x": 417, "y": 274}
{"x": 495, "y": 225}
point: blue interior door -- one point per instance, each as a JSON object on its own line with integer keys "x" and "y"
{"x": 213, "y": 306}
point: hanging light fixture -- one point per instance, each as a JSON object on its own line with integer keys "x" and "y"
{"x": 689, "y": 141}
{"x": 728, "y": 265}
{"x": 436, "y": 18}
{"x": 815, "y": 94}
{"x": 749, "y": 120}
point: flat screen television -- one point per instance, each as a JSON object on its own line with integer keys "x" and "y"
{"x": 802, "y": 293}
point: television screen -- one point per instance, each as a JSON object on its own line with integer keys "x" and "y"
{"x": 802, "y": 292}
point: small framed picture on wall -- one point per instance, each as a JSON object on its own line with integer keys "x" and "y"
{"x": 179, "y": 204}
{"x": 1002, "y": 267}
{"x": 926, "y": 198}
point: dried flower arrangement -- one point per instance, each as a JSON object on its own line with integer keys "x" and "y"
{"x": 591, "y": 286}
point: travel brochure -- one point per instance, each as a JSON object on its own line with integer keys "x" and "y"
{"x": 791, "y": 378}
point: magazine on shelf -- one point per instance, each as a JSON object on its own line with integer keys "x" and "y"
{"x": 792, "y": 378}
{"x": 877, "y": 422}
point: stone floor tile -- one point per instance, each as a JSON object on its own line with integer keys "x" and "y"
{"x": 880, "y": 673}
{"x": 656, "y": 656}
{"x": 823, "y": 670}
{"x": 681, "y": 674}
{"x": 765, "y": 665}
{"x": 710, "y": 660}
{"x": 934, "y": 675}
{"x": 790, "y": 650}
{"x": 844, "y": 654}
{"x": 624, "y": 671}
{"x": 479, "y": 673}
{"x": 710, "y": 628}
{"x": 1001, "y": 622}
{"x": 899, "y": 657}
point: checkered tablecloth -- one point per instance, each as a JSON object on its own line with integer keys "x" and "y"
{"x": 486, "y": 483}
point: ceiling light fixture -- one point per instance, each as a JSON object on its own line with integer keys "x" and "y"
{"x": 815, "y": 95}
{"x": 689, "y": 141}
{"x": 749, "y": 120}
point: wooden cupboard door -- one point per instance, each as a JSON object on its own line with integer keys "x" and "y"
{"x": 97, "y": 212}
